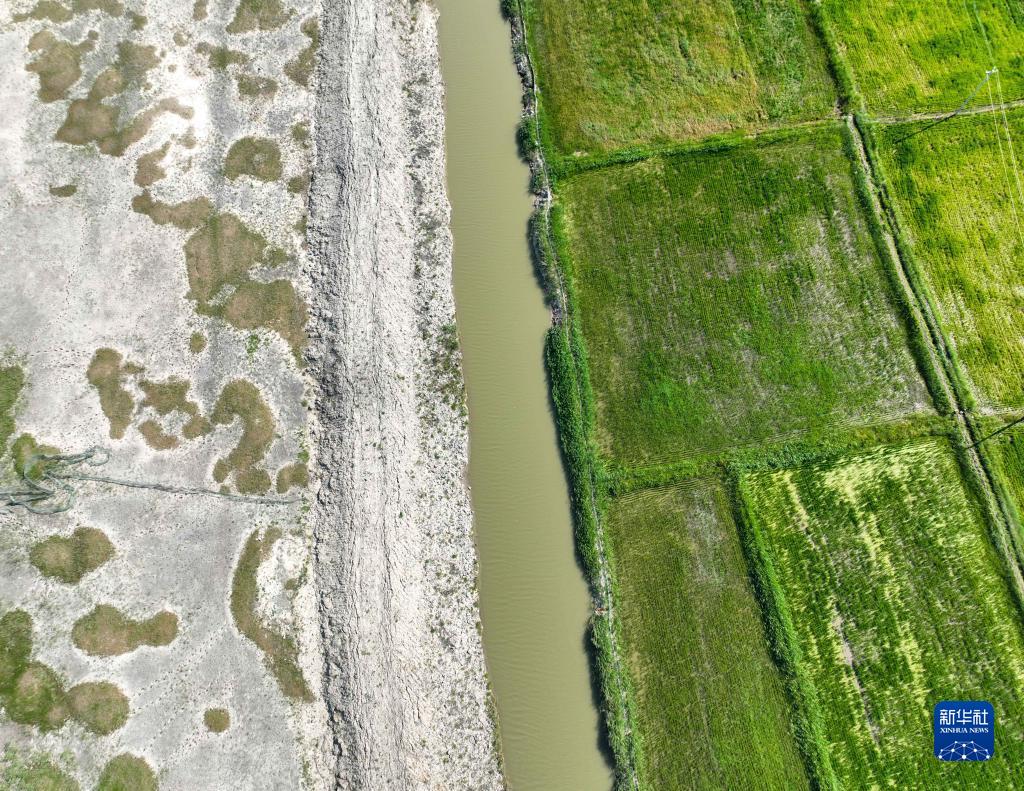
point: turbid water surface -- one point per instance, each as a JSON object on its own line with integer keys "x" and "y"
{"x": 534, "y": 601}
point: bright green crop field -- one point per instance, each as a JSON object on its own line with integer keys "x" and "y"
{"x": 710, "y": 708}
{"x": 961, "y": 202}
{"x": 631, "y": 72}
{"x": 731, "y": 297}
{"x": 910, "y": 56}
{"x": 898, "y": 601}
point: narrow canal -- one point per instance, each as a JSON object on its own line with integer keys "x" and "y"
{"x": 533, "y": 599}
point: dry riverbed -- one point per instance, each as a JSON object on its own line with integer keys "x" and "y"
{"x": 227, "y": 274}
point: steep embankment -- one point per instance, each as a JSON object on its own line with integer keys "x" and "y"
{"x": 395, "y": 562}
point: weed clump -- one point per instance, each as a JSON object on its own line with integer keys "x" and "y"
{"x": 12, "y": 379}
{"x": 64, "y": 190}
{"x": 33, "y": 694}
{"x": 37, "y": 772}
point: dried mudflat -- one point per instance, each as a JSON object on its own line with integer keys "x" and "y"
{"x": 295, "y": 606}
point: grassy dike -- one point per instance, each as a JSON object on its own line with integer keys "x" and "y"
{"x": 566, "y": 362}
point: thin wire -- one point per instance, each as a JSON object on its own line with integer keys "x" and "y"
{"x": 48, "y": 478}
{"x": 1006, "y": 127}
{"x": 998, "y": 431}
{"x": 954, "y": 114}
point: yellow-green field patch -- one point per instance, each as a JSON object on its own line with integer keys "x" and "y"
{"x": 910, "y": 56}
{"x": 960, "y": 200}
{"x": 897, "y": 600}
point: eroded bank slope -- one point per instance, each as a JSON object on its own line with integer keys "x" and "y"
{"x": 396, "y": 568}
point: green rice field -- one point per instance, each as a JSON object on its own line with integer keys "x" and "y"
{"x": 728, "y": 297}
{"x": 960, "y": 199}
{"x": 897, "y": 600}
{"x": 711, "y": 712}
{"x": 910, "y": 56}
{"x": 630, "y": 72}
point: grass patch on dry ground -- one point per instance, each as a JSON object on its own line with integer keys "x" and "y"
{"x": 710, "y": 708}
{"x": 636, "y": 73}
{"x": 106, "y": 631}
{"x": 106, "y": 373}
{"x": 258, "y": 157}
{"x": 728, "y": 297}
{"x": 35, "y": 772}
{"x": 895, "y": 599}
{"x": 912, "y": 56}
{"x": 216, "y": 720}
{"x": 242, "y": 400}
{"x": 70, "y": 558}
{"x": 280, "y": 651}
{"x": 12, "y": 379}
{"x": 961, "y": 207}
{"x": 33, "y": 694}
{"x": 127, "y": 772}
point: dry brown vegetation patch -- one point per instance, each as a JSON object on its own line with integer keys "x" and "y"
{"x": 127, "y": 772}
{"x": 91, "y": 121}
{"x": 274, "y": 305}
{"x": 257, "y": 14}
{"x": 58, "y": 65}
{"x": 220, "y": 254}
{"x": 99, "y": 705}
{"x": 46, "y": 9}
{"x": 106, "y": 631}
{"x": 185, "y": 215}
{"x": 241, "y": 399}
{"x": 301, "y": 68}
{"x": 258, "y": 157}
{"x": 106, "y": 373}
{"x": 217, "y": 720}
{"x": 255, "y": 85}
{"x": 70, "y": 558}
{"x": 292, "y": 475}
{"x": 220, "y": 57}
{"x": 64, "y": 190}
{"x": 172, "y": 396}
{"x": 147, "y": 167}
